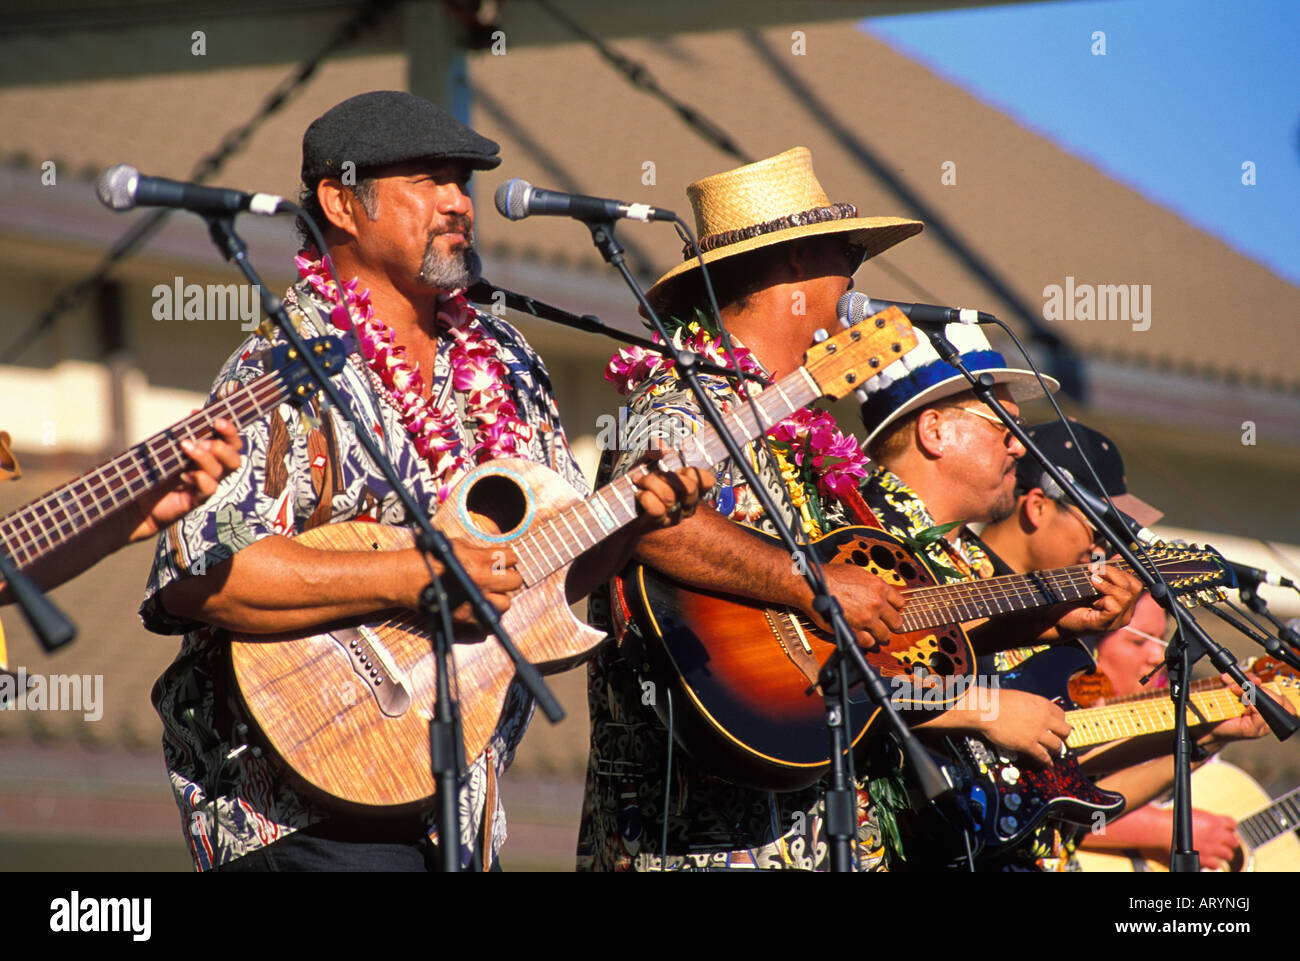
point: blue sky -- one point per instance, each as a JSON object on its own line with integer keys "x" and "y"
{"x": 1187, "y": 91}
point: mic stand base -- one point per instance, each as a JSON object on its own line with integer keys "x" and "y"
{"x": 51, "y": 626}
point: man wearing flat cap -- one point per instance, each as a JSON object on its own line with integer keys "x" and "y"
{"x": 441, "y": 388}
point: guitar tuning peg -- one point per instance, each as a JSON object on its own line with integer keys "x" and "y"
{"x": 820, "y": 335}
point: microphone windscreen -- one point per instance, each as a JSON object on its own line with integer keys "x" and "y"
{"x": 116, "y": 187}
{"x": 512, "y": 199}
{"x": 853, "y": 307}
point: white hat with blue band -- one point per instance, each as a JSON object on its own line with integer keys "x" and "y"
{"x": 931, "y": 379}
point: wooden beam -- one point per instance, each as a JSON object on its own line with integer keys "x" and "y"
{"x": 67, "y": 41}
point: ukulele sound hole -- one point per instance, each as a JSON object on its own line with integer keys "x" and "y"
{"x": 500, "y": 500}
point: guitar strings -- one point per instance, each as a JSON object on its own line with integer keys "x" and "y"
{"x": 547, "y": 548}
{"x": 1015, "y": 590}
{"x": 1011, "y": 588}
{"x": 1098, "y": 724}
{"x": 966, "y": 600}
{"x": 103, "y": 488}
{"x": 1263, "y": 826}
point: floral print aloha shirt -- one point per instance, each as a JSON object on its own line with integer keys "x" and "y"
{"x": 303, "y": 467}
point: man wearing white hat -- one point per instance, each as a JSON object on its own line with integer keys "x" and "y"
{"x": 939, "y": 468}
{"x": 937, "y": 465}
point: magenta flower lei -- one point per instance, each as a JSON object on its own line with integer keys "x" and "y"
{"x": 816, "y": 445}
{"x": 476, "y": 371}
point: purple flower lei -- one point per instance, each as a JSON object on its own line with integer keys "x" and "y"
{"x": 476, "y": 371}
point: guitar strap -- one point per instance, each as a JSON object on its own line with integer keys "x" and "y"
{"x": 489, "y": 810}
{"x": 859, "y": 509}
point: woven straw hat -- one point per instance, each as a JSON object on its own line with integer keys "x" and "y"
{"x": 771, "y": 202}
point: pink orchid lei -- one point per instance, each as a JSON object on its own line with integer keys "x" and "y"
{"x": 476, "y": 371}
{"x": 819, "y": 450}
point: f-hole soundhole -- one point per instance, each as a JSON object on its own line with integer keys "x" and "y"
{"x": 500, "y": 500}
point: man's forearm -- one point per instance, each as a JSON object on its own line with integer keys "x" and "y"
{"x": 1141, "y": 783}
{"x": 597, "y": 565}
{"x": 277, "y": 585}
{"x": 708, "y": 550}
{"x": 1144, "y": 827}
{"x": 1140, "y": 749}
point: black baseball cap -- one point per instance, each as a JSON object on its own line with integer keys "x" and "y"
{"x": 1100, "y": 451}
{"x": 388, "y": 127}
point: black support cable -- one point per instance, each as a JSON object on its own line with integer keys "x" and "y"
{"x": 367, "y": 15}
{"x": 640, "y": 77}
{"x": 1063, "y": 362}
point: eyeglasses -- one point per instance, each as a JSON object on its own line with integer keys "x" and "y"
{"x": 1094, "y": 538}
{"x": 1145, "y": 636}
{"x": 995, "y": 420}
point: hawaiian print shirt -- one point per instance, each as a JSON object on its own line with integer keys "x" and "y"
{"x": 303, "y": 467}
{"x": 712, "y": 824}
{"x": 902, "y": 513}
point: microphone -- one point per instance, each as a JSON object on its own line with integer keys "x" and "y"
{"x": 1243, "y": 572}
{"x": 857, "y": 306}
{"x": 123, "y": 187}
{"x": 517, "y": 199}
{"x": 896, "y": 370}
{"x": 1255, "y": 575}
{"x": 1053, "y": 490}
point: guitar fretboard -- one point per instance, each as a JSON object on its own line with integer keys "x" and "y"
{"x": 1200, "y": 684}
{"x": 1008, "y": 593}
{"x": 559, "y": 539}
{"x": 1098, "y": 725}
{"x": 1278, "y": 818}
{"x": 35, "y": 530}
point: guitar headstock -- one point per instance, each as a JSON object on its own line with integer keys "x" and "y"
{"x": 330, "y": 352}
{"x": 1201, "y": 597}
{"x": 1280, "y": 679}
{"x": 1270, "y": 668}
{"x": 1196, "y": 574}
{"x": 848, "y": 360}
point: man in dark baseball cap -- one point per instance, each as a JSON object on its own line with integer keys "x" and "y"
{"x": 1046, "y": 529}
{"x": 442, "y": 388}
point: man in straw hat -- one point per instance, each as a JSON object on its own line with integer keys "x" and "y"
{"x": 780, "y": 255}
{"x": 442, "y": 388}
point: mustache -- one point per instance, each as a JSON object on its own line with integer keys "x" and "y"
{"x": 456, "y": 224}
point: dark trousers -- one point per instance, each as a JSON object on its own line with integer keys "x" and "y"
{"x": 323, "y": 847}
